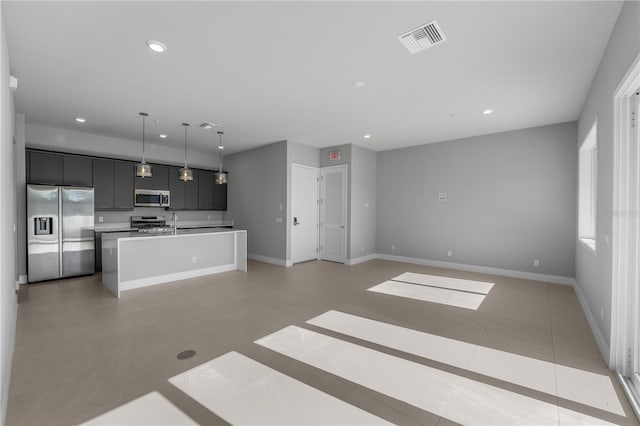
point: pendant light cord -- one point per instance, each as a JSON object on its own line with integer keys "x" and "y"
{"x": 185, "y": 144}
{"x": 143, "y": 120}
{"x": 220, "y": 149}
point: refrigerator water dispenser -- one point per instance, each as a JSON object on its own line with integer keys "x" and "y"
{"x": 42, "y": 225}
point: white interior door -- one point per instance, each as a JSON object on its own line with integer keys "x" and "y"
{"x": 333, "y": 213}
{"x": 304, "y": 213}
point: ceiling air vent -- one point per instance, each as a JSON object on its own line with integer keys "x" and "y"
{"x": 423, "y": 37}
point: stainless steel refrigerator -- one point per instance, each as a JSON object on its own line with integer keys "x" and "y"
{"x": 60, "y": 237}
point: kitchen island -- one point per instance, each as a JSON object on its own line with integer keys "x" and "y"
{"x": 133, "y": 260}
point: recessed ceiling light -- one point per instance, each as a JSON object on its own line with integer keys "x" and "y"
{"x": 81, "y": 120}
{"x": 162, "y": 135}
{"x": 488, "y": 111}
{"x": 358, "y": 84}
{"x": 156, "y": 46}
{"x": 367, "y": 136}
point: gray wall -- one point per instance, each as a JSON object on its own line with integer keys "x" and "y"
{"x": 297, "y": 154}
{"x": 72, "y": 141}
{"x": 510, "y": 200}
{"x": 257, "y": 194}
{"x": 593, "y": 272}
{"x": 362, "y": 202}
{"x": 8, "y": 260}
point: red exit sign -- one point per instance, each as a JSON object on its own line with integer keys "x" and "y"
{"x": 334, "y": 155}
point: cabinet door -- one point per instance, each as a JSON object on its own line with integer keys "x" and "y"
{"x": 205, "y": 189}
{"x": 177, "y": 188}
{"x": 220, "y": 197}
{"x": 123, "y": 186}
{"x": 160, "y": 177}
{"x": 46, "y": 168}
{"x": 145, "y": 183}
{"x": 191, "y": 192}
{"x": 77, "y": 170}
{"x": 104, "y": 184}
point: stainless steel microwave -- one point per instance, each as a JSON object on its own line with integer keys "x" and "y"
{"x": 152, "y": 198}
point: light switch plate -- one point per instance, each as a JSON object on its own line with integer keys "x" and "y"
{"x": 100, "y": 219}
{"x": 278, "y": 219}
{"x": 442, "y": 196}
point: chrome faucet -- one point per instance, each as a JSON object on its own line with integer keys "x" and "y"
{"x": 174, "y": 218}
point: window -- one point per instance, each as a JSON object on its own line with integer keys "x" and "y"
{"x": 588, "y": 187}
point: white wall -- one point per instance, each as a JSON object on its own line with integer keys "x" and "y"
{"x": 510, "y": 200}
{"x": 8, "y": 303}
{"x": 593, "y": 272}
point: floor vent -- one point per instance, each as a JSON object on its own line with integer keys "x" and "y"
{"x": 423, "y": 37}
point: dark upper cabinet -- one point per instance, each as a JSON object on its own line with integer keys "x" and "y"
{"x": 191, "y": 192}
{"x": 113, "y": 183}
{"x": 177, "y": 188}
{"x": 123, "y": 188}
{"x": 144, "y": 183}
{"x": 77, "y": 170}
{"x": 184, "y": 195}
{"x": 205, "y": 190}
{"x": 159, "y": 178}
{"x": 104, "y": 184}
{"x": 46, "y": 168}
{"x": 219, "y": 197}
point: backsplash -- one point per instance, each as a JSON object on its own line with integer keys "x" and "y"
{"x": 183, "y": 215}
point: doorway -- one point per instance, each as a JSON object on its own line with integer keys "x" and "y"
{"x": 304, "y": 213}
{"x": 333, "y": 213}
{"x": 625, "y": 333}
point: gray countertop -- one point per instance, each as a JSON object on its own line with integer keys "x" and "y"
{"x": 130, "y": 234}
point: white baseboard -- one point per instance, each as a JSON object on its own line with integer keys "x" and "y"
{"x": 595, "y": 330}
{"x": 271, "y": 260}
{"x": 481, "y": 269}
{"x": 361, "y": 259}
{"x": 22, "y": 279}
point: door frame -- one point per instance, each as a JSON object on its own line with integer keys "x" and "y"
{"x": 345, "y": 210}
{"x": 625, "y": 316}
{"x": 290, "y": 222}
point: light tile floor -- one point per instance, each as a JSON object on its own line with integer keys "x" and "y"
{"x": 80, "y": 352}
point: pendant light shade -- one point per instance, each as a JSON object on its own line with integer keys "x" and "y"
{"x": 220, "y": 175}
{"x": 186, "y": 174}
{"x": 143, "y": 169}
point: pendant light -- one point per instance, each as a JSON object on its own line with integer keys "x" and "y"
{"x": 186, "y": 174}
{"x": 143, "y": 169}
{"x": 220, "y": 176}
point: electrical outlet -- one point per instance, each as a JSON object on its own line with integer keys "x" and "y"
{"x": 366, "y": 204}
{"x": 100, "y": 219}
{"x": 194, "y": 259}
{"x": 442, "y": 196}
{"x": 280, "y": 207}
{"x": 536, "y": 262}
{"x": 208, "y": 217}
{"x": 393, "y": 246}
{"x": 449, "y": 253}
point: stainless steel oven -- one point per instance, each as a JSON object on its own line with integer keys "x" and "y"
{"x": 152, "y": 198}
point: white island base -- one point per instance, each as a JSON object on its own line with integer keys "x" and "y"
{"x": 132, "y": 261}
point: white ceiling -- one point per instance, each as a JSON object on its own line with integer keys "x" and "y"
{"x": 269, "y": 71}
